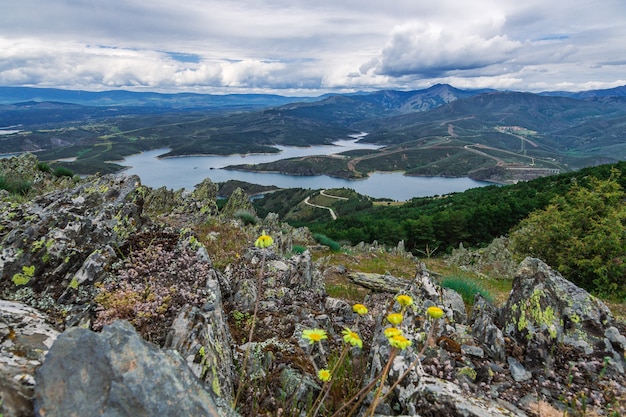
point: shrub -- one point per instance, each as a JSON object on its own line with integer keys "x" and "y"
{"x": 467, "y": 288}
{"x": 246, "y": 217}
{"x": 63, "y": 172}
{"x": 299, "y": 249}
{"x": 15, "y": 185}
{"x": 44, "y": 167}
{"x": 326, "y": 241}
{"x": 581, "y": 234}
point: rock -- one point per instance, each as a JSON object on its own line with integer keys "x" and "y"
{"x": 203, "y": 340}
{"x": 518, "y": 372}
{"x": 436, "y": 397}
{"x": 545, "y": 310}
{"x": 116, "y": 373}
{"x": 50, "y": 238}
{"x": 378, "y": 282}
{"x": 485, "y": 331}
{"x": 26, "y": 338}
{"x": 454, "y": 302}
{"x": 238, "y": 200}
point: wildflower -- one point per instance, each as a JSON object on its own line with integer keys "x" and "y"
{"x": 404, "y": 300}
{"x": 323, "y": 375}
{"x": 395, "y": 318}
{"x": 399, "y": 341}
{"x": 434, "y": 312}
{"x": 314, "y": 335}
{"x": 359, "y": 309}
{"x": 392, "y": 331}
{"x": 264, "y": 241}
{"x": 352, "y": 337}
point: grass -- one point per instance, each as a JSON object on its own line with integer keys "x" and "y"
{"x": 467, "y": 288}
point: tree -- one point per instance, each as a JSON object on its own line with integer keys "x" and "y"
{"x": 582, "y": 234}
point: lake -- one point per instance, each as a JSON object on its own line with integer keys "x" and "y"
{"x": 186, "y": 172}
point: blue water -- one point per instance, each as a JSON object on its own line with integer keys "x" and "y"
{"x": 186, "y": 172}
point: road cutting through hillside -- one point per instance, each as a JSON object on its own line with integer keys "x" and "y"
{"x": 323, "y": 192}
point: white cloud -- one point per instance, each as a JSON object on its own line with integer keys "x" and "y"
{"x": 299, "y": 45}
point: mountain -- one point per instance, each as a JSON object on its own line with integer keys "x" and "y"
{"x": 11, "y": 95}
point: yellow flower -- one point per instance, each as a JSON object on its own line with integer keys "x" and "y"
{"x": 352, "y": 337}
{"x": 264, "y": 241}
{"x": 359, "y": 309}
{"x": 395, "y": 318}
{"x": 434, "y": 312}
{"x": 314, "y": 335}
{"x": 392, "y": 331}
{"x": 399, "y": 341}
{"x": 323, "y": 375}
{"x": 404, "y": 300}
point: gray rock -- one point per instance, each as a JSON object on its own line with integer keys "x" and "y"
{"x": 203, "y": 340}
{"x": 485, "y": 331}
{"x": 518, "y": 372}
{"x": 238, "y": 200}
{"x": 116, "y": 373}
{"x": 26, "y": 338}
{"x": 545, "y": 310}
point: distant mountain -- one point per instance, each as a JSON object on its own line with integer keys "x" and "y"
{"x": 12, "y": 95}
{"x": 590, "y": 94}
{"x": 349, "y": 109}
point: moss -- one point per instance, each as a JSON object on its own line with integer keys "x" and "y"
{"x": 24, "y": 278}
{"x": 467, "y": 371}
{"x": 215, "y": 384}
{"x": 532, "y": 313}
{"x": 74, "y": 283}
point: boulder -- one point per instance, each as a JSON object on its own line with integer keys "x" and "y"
{"x": 26, "y": 338}
{"x": 545, "y": 310}
{"x": 116, "y": 373}
{"x": 202, "y": 337}
{"x": 238, "y": 201}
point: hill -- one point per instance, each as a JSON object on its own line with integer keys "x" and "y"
{"x": 440, "y": 131}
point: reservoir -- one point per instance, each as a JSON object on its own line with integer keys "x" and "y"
{"x": 187, "y": 172}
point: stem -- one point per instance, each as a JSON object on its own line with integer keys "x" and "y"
{"x": 326, "y": 389}
{"x": 259, "y": 281}
{"x": 395, "y": 384}
{"x": 361, "y": 394}
{"x": 374, "y": 404}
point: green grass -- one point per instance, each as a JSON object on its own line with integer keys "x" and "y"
{"x": 326, "y": 241}
{"x": 467, "y": 288}
{"x": 16, "y": 186}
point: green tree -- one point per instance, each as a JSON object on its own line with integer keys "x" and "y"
{"x": 582, "y": 234}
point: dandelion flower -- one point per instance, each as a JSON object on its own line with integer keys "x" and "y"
{"x": 392, "y": 331}
{"x": 395, "y": 318}
{"x": 352, "y": 337}
{"x": 404, "y": 300}
{"x": 399, "y": 341}
{"x": 434, "y": 312}
{"x": 264, "y": 241}
{"x": 359, "y": 309}
{"x": 323, "y": 375}
{"x": 314, "y": 335}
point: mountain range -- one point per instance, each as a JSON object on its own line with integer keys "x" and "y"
{"x": 486, "y": 134}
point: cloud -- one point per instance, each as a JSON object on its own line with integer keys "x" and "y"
{"x": 434, "y": 51}
{"x": 298, "y": 45}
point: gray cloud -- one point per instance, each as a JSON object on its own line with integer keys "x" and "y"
{"x": 305, "y": 47}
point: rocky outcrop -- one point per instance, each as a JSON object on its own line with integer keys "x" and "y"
{"x": 238, "y": 201}
{"x": 546, "y": 311}
{"x": 26, "y": 338}
{"x": 44, "y": 244}
{"x": 116, "y": 373}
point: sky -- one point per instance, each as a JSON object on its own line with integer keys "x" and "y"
{"x": 312, "y": 47}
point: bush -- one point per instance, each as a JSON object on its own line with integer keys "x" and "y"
{"x": 326, "y": 241}
{"x": 467, "y": 288}
{"x": 44, "y": 167}
{"x": 63, "y": 172}
{"x": 15, "y": 185}
{"x": 581, "y": 234}
{"x": 246, "y": 217}
{"x": 299, "y": 249}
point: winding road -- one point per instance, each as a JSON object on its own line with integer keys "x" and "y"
{"x": 323, "y": 192}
